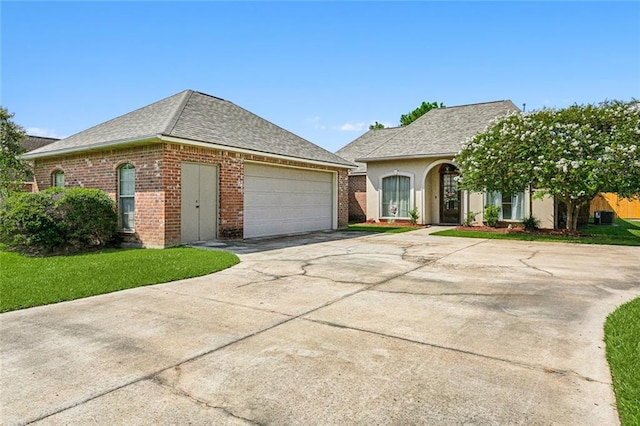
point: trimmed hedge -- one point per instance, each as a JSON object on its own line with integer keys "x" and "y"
{"x": 58, "y": 220}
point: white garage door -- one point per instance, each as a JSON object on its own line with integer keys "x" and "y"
{"x": 279, "y": 200}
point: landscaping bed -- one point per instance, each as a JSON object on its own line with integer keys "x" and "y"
{"x": 624, "y": 232}
{"x": 520, "y": 230}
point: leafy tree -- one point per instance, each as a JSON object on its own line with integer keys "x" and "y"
{"x": 406, "y": 119}
{"x": 572, "y": 154}
{"x": 376, "y": 126}
{"x": 13, "y": 169}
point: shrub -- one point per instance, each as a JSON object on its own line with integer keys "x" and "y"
{"x": 27, "y": 222}
{"x": 58, "y": 220}
{"x": 491, "y": 215}
{"x": 413, "y": 216}
{"x": 88, "y": 216}
{"x": 471, "y": 217}
{"x": 531, "y": 223}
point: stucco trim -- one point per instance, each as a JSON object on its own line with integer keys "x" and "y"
{"x": 405, "y": 157}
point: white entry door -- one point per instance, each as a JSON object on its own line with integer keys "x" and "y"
{"x": 199, "y": 184}
{"x": 281, "y": 200}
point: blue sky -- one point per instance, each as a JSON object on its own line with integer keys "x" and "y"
{"x": 323, "y": 70}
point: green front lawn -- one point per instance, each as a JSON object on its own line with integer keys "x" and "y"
{"x": 625, "y": 232}
{"x": 622, "y": 336}
{"x": 34, "y": 281}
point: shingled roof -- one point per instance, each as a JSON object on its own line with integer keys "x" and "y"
{"x": 198, "y": 117}
{"x": 366, "y": 143}
{"x": 29, "y": 143}
{"x": 440, "y": 132}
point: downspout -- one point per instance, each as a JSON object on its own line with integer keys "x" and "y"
{"x": 530, "y": 201}
{"x": 466, "y": 202}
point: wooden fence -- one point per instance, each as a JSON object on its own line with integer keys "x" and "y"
{"x": 624, "y": 208}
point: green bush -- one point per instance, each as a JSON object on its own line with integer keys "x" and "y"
{"x": 471, "y": 217}
{"x": 27, "y": 222}
{"x": 58, "y": 220}
{"x": 491, "y": 215}
{"x": 88, "y": 216}
{"x": 414, "y": 216}
{"x": 531, "y": 223}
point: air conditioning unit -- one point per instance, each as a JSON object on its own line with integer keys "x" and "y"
{"x": 603, "y": 217}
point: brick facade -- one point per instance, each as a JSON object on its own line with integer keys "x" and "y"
{"x": 158, "y": 190}
{"x": 357, "y": 198}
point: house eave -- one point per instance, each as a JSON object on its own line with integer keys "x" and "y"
{"x": 95, "y": 147}
{"x": 405, "y": 157}
{"x": 172, "y": 139}
{"x": 163, "y": 138}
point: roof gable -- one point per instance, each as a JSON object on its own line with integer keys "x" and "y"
{"x": 440, "y": 131}
{"x": 195, "y": 116}
{"x": 30, "y": 142}
{"x": 365, "y": 144}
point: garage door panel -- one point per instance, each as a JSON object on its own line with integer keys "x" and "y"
{"x": 282, "y": 200}
{"x": 288, "y": 198}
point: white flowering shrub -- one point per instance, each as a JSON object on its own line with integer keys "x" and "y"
{"x": 572, "y": 154}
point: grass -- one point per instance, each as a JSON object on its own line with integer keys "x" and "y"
{"x": 390, "y": 229}
{"x": 34, "y": 281}
{"x": 625, "y": 232}
{"x": 622, "y": 337}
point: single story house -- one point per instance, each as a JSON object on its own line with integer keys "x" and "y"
{"x": 195, "y": 167}
{"x": 409, "y": 167}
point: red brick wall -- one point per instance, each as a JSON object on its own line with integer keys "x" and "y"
{"x": 358, "y": 198}
{"x": 99, "y": 170}
{"x": 231, "y": 184}
{"x": 158, "y": 191}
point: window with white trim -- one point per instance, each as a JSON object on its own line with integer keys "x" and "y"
{"x": 58, "y": 178}
{"x": 126, "y": 197}
{"x": 396, "y": 194}
{"x": 511, "y": 205}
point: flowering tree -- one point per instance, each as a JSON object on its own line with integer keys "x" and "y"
{"x": 572, "y": 154}
{"x": 12, "y": 168}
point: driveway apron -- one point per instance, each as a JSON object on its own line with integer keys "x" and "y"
{"x": 376, "y": 329}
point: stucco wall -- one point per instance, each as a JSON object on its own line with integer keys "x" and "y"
{"x": 543, "y": 209}
{"x": 426, "y": 191}
{"x": 424, "y": 174}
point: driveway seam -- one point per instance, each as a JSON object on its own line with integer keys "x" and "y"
{"x": 199, "y": 401}
{"x": 152, "y": 375}
{"x": 462, "y": 351}
{"x": 291, "y": 318}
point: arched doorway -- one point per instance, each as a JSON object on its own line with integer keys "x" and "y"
{"x": 449, "y": 195}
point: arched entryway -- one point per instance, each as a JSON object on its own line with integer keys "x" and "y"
{"x": 450, "y": 200}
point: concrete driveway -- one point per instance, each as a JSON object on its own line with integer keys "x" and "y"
{"x": 379, "y": 329}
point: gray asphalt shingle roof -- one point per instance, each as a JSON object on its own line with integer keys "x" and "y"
{"x": 366, "y": 143}
{"x": 29, "y": 143}
{"x": 195, "y": 116}
{"x": 441, "y": 131}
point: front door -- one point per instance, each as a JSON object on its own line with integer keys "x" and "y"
{"x": 449, "y": 195}
{"x": 199, "y": 185}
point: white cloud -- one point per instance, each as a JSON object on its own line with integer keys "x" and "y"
{"x": 39, "y": 131}
{"x": 352, "y": 127}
